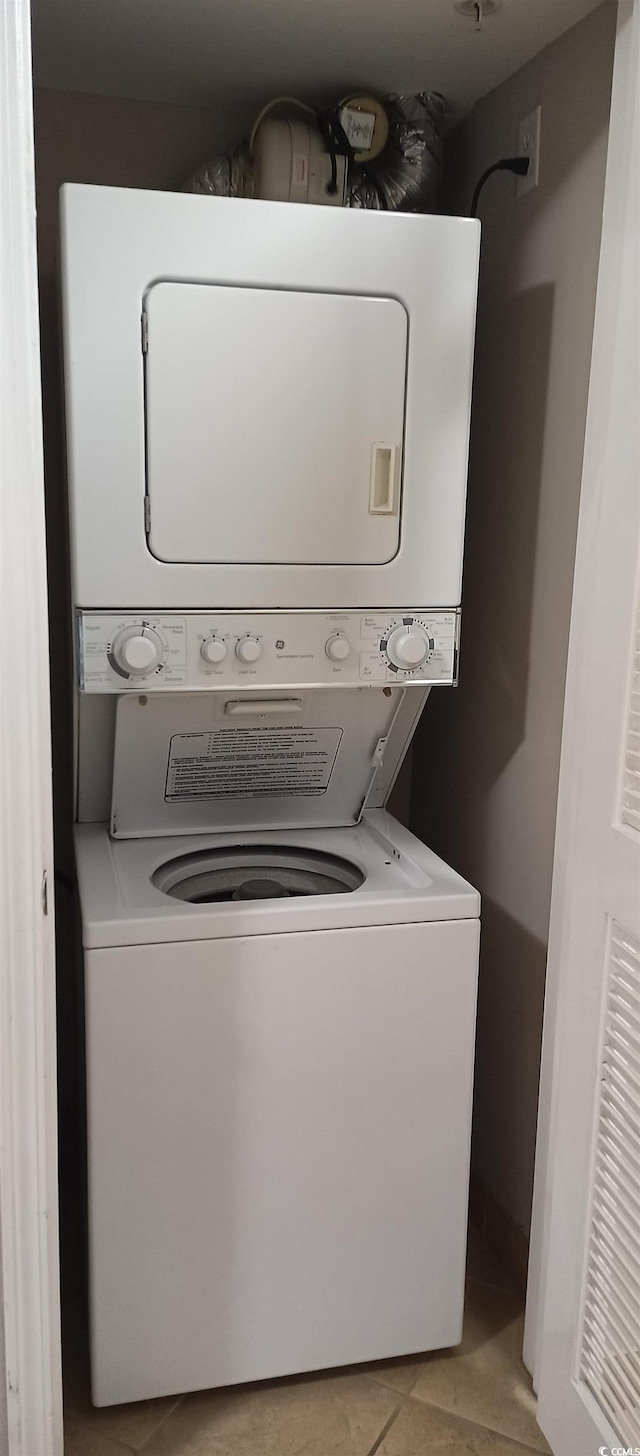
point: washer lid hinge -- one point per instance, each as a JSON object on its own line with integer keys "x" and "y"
{"x": 377, "y": 759}
{"x": 378, "y": 753}
{"x": 147, "y": 514}
{"x": 144, "y": 330}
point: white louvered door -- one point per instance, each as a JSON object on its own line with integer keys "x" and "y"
{"x": 587, "y": 1360}
{"x": 609, "y": 1352}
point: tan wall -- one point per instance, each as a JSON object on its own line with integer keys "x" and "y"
{"x": 486, "y": 761}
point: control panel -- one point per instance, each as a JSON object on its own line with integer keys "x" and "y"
{"x": 159, "y": 651}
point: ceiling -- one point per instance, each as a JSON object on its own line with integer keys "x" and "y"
{"x": 233, "y": 53}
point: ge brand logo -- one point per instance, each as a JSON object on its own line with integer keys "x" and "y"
{"x": 280, "y": 644}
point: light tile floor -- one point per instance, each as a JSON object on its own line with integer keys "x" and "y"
{"x": 475, "y": 1400}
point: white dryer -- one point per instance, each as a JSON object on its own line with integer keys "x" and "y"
{"x": 267, "y": 404}
{"x": 280, "y": 987}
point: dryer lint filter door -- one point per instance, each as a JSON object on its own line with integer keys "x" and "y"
{"x": 274, "y": 425}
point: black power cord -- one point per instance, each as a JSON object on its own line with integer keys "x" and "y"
{"x": 336, "y": 142}
{"x": 518, "y": 165}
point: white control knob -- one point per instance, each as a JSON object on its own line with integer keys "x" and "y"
{"x": 248, "y": 649}
{"x": 137, "y": 651}
{"x": 213, "y": 650}
{"x": 337, "y": 648}
{"x": 408, "y": 647}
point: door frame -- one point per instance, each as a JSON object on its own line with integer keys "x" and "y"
{"x": 599, "y": 448}
{"x": 30, "y": 1373}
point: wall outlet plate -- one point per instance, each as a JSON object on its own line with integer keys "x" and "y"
{"x": 529, "y": 146}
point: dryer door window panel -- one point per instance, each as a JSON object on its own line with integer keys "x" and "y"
{"x": 274, "y": 425}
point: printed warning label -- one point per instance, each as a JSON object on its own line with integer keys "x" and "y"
{"x": 247, "y": 763}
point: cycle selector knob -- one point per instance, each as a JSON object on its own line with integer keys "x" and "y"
{"x": 408, "y": 647}
{"x": 248, "y": 649}
{"x": 213, "y": 650}
{"x": 136, "y": 651}
{"x": 337, "y": 647}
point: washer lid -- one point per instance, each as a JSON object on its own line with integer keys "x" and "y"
{"x": 192, "y": 763}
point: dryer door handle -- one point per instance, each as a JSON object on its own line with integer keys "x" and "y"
{"x": 382, "y": 485}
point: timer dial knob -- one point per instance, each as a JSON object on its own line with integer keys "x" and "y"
{"x": 248, "y": 649}
{"x": 136, "y": 651}
{"x": 213, "y": 650}
{"x": 408, "y": 646}
{"x": 337, "y": 647}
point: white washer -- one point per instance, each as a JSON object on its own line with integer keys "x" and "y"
{"x": 279, "y": 1103}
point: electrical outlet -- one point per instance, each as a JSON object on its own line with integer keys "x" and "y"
{"x": 529, "y": 146}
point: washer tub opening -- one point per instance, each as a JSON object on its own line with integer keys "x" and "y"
{"x": 250, "y": 873}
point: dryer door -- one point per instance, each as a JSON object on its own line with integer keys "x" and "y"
{"x": 274, "y": 425}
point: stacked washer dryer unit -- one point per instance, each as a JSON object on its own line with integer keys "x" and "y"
{"x": 267, "y": 421}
